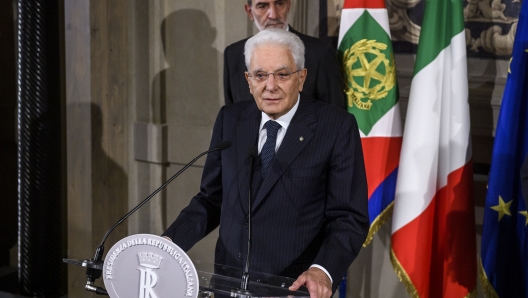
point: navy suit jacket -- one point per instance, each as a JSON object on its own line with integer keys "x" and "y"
{"x": 310, "y": 209}
{"x": 324, "y": 81}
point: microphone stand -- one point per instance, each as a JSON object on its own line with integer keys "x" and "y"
{"x": 94, "y": 267}
{"x": 243, "y": 291}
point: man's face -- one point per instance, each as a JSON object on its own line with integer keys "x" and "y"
{"x": 269, "y": 13}
{"x": 274, "y": 97}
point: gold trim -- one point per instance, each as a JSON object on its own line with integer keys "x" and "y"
{"x": 378, "y": 222}
{"x": 489, "y": 291}
{"x": 472, "y": 293}
{"x": 402, "y": 275}
{"x": 406, "y": 280}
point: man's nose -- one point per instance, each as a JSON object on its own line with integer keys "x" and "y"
{"x": 271, "y": 83}
{"x": 272, "y": 12}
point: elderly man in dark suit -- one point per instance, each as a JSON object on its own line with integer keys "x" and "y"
{"x": 324, "y": 81}
{"x": 309, "y": 193}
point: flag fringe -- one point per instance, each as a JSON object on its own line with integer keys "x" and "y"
{"x": 380, "y": 220}
{"x": 472, "y": 294}
{"x": 411, "y": 289}
{"x": 489, "y": 291}
{"x": 402, "y": 275}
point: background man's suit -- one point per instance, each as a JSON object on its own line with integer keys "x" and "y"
{"x": 324, "y": 81}
{"x": 310, "y": 209}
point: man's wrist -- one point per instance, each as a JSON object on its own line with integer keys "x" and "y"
{"x": 324, "y": 270}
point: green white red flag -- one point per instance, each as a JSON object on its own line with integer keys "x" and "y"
{"x": 433, "y": 247}
{"x": 366, "y": 56}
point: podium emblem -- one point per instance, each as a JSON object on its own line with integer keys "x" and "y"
{"x": 149, "y": 266}
{"x": 148, "y": 277}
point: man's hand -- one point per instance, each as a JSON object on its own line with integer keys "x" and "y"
{"x": 316, "y": 281}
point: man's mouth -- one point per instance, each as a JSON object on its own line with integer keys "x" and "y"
{"x": 275, "y": 24}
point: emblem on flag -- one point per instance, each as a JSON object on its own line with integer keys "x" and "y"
{"x": 369, "y": 73}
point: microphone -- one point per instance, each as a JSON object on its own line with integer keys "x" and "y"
{"x": 95, "y": 266}
{"x": 253, "y": 153}
{"x": 220, "y": 147}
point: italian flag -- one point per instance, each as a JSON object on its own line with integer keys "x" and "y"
{"x": 433, "y": 247}
{"x": 366, "y": 57}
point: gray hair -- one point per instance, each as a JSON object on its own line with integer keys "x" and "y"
{"x": 279, "y": 37}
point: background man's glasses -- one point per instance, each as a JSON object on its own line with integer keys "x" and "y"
{"x": 280, "y": 76}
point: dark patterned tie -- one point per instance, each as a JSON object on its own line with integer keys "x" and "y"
{"x": 268, "y": 150}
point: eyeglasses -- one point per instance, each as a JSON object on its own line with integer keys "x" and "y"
{"x": 280, "y": 76}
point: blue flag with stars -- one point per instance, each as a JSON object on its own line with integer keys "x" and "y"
{"x": 504, "y": 247}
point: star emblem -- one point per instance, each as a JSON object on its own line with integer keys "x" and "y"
{"x": 525, "y": 213}
{"x": 369, "y": 73}
{"x": 502, "y": 208}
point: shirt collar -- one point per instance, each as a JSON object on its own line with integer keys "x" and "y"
{"x": 283, "y": 120}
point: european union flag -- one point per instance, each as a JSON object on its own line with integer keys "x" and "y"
{"x": 504, "y": 247}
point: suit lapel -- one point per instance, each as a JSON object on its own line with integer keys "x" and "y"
{"x": 293, "y": 30}
{"x": 246, "y": 136}
{"x": 299, "y": 134}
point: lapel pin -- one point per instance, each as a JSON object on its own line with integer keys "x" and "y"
{"x": 301, "y": 139}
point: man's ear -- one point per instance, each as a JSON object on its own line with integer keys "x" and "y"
{"x": 246, "y": 74}
{"x": 302, "y": 77}
{"x": 248, "y": 11}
